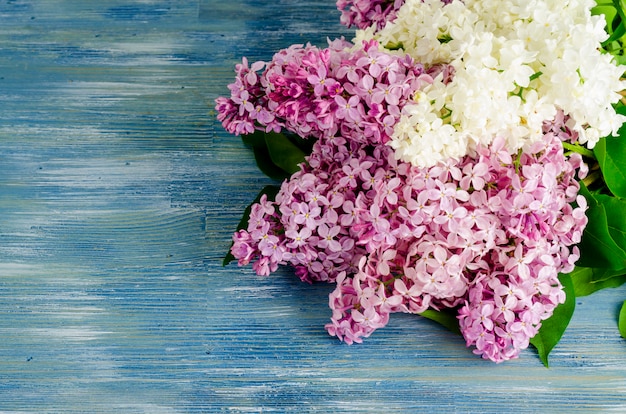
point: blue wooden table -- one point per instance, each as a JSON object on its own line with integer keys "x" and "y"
{"x": 119, "y": 191}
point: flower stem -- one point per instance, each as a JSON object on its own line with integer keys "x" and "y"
{"x": 591, "y": 178}
{"x": 579, "y": 149}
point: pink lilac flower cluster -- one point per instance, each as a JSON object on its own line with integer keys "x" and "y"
{"x": 323, "y": 93}
{"x": 485, "y": 235}
{"x": 365, "y": 13}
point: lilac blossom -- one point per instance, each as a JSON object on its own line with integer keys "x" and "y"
{"x": 321, "y": 93}
{"x": 365, "y": 13}
{"x": 486, "y": 234}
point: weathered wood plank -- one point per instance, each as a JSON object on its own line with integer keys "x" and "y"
{"x": 118, "y": 194}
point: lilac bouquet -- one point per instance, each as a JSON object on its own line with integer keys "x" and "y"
{"x": 450, "y": 161}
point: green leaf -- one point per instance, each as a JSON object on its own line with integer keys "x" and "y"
{"x": 619, "y": 8}
{"x": 552, "y": 329}
{"x": 270, "y": 191}
{"x": 277, "y": 155}
{"x": 283, "y": 152}
{"x": 256, "y": 139}
{"x": 584, "y": 284}
{"x": 305, "y": 144}
{"x": 621, "y": 322}
{"x": 446, "y": 318}
{"x": 267, "y": 167}
{"x": 615, "y": 209}
{"x": 620, "y": 60}
{"x": 619, "y": 31}
{"x": 611, "y": 155}
{"x": 608, "y": 11}
{"x": 602, "y": 275}
{"x": 598, "y": 249}
{"x": 614, "y": 20}
{"x": 262, "y": 156}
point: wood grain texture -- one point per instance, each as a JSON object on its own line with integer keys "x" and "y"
{"x": 118, "y": 194}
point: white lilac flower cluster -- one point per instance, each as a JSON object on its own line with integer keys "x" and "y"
{"x": 516, "y": 63}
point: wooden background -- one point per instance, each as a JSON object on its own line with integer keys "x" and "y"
{"x": 118, "y": 194}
